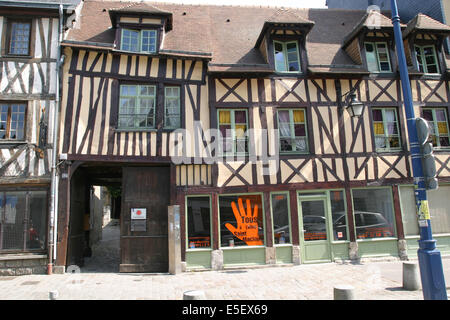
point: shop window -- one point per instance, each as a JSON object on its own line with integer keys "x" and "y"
{"x": 280, "y": 214}
{"x": 137, "y": 107}
{"x": 241, "y": 220}
{"x": 138, "y": 40}
{"x": 287, "y": 57}
{"x": 438, "y": 203}
{"x": 386, "y": 129}
{"x": 12, "y": 121}
{"x": 339, "y": 215}
{"x": 292, "y": 130}
{"x": 427, "y": 59}
{"x": 198, "y": 222}
{"x": 233, "y": 128}
{"x": 438, "y": 125}
{"x": 377, "y": 55}
{"x": 172, "y": 107}
{"x": 374, "y": 213}
{"x": 23, "y": 220}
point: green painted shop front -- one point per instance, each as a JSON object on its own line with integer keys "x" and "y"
{"x": 311, "y": 228}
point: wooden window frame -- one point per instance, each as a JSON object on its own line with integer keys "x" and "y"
{"x": 285, "y": 53}
{"x": 386, "y": 135}
{"x": 165, "y": 105}
{"x": 233, "y": 132}
{"x": 377, "y": 55}
{"x": 7, "y": 36}
{"x": 140, "y": 31}
{"x": 422, "y": 57}
{"x": 155, "y": 98}
{"x": 292, "y": 129}
{"x": 436, "y": 131}
{"x": 284, "y": 193}
{"x": 8, "y": 120}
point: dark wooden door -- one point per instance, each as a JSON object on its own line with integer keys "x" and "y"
{"x": 78, "y": 189}
{"x": 149, "y": 188}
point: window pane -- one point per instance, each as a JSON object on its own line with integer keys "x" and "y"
{"x": 241, "y": 220}
{"x": 37, "y": 227}
{"x": 314, "y": 221}
{"x": 20, "y": 37}
{"x": 339, "y": 215}
{"x": 280, "y": 60}
{"x": 199, "y": 223}
{"x": 280, "y": 212}
{"x": 13, "y": 220}
{"x": 372, "y": 63}
{"x": 375, "y": 213}
{"x": 148, "y": 40}
{"x": 172, "y": 107}
{"x": 408, "y": 206}
{"x": 130, "y": 40}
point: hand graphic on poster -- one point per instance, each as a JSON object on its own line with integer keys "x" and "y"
{"x": 247, "y": 223}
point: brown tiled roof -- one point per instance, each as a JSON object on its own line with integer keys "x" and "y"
{"x": 425, "y": 23}
{"x": 229, "y": 33}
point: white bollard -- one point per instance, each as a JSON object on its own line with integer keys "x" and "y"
{"x": 344, "y": 292}
{"x": 411, "y": 280}
{"x": 194, "y": 295}
{"x": 53, "y": 295}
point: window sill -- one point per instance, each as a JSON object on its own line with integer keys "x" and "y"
{"x": 243, "y": 247}
{"x": 136, "y": 52}
{"x": 282, "y": 245}
{"x": 145, "y": 130}
{"x": 22, "y": 256}
{"x": 377, "y": 239}
{"x": 198, "y": 249}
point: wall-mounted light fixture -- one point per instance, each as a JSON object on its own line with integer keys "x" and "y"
{"x": 354, "y": 107}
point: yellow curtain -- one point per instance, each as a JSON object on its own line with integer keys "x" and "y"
{"x": 299, "y": 116}
{"x": 378, "y": 128}
{"x": 240, "y": 130}
{"x": 224, "y": 117}
{"x": 442, "y": 128}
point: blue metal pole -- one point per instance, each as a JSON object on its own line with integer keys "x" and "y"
{"x": 430, "y": 262}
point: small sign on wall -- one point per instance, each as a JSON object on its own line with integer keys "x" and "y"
{"x": 138, "y": 213}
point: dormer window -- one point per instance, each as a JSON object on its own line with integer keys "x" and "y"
{"x": 427, "y": 59}
{"x": 377, "y": 56}
{"x": 287, "y": 58}
{"x": 138, "y": 40}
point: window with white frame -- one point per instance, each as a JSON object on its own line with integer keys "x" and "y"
{"x": 292, "y": 130}
{"x": 377, "y": 56}
{"x": 287, "y": 58}
{"x": 233, "y": 127}
{"x": 386, "y": 129}
{"x": 438, "y": 126}
{"x": 138, "y": 40}
{"x": 427, "y": 59}
{"x": 172, "y": 107}
{"x": 137, "y": 107}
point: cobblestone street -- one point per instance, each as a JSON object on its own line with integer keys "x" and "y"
{"x": 372, "y": 281}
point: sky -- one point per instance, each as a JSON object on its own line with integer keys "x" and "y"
{"x": 277, "y": 3}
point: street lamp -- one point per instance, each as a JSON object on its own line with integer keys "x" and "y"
{"x": 354, "y": 107}
{"x": 430, "y": 262}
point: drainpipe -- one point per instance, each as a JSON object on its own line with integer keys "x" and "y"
{"x": 54, "y": 181}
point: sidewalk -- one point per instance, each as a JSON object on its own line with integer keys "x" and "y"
{"x": 372, "y": 281}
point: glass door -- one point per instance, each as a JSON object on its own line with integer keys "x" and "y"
{"x": 314, "y": 229}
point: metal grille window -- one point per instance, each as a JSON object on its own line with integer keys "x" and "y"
{"x": 137, "y": 107}
{"x": 12, "y": 121}
{"x": 19, "y": 42}
{"x": 23, "y": 220}
{"x": 287, "y": 58}
{"x": 292, "y": 129}
{"x": 172, "y": 107}
{"x": 377, "y": 55}
{"x": 438, "y": 124}
{"x": 233, "y": 127}
{"x": 385, "y": 129}
{"x": 138, "y": 40}
{"x": 427, "y": 59}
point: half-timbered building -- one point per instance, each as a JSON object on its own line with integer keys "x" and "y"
{"x": 237, "y": 115}
{"x": 30, "y": 32}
